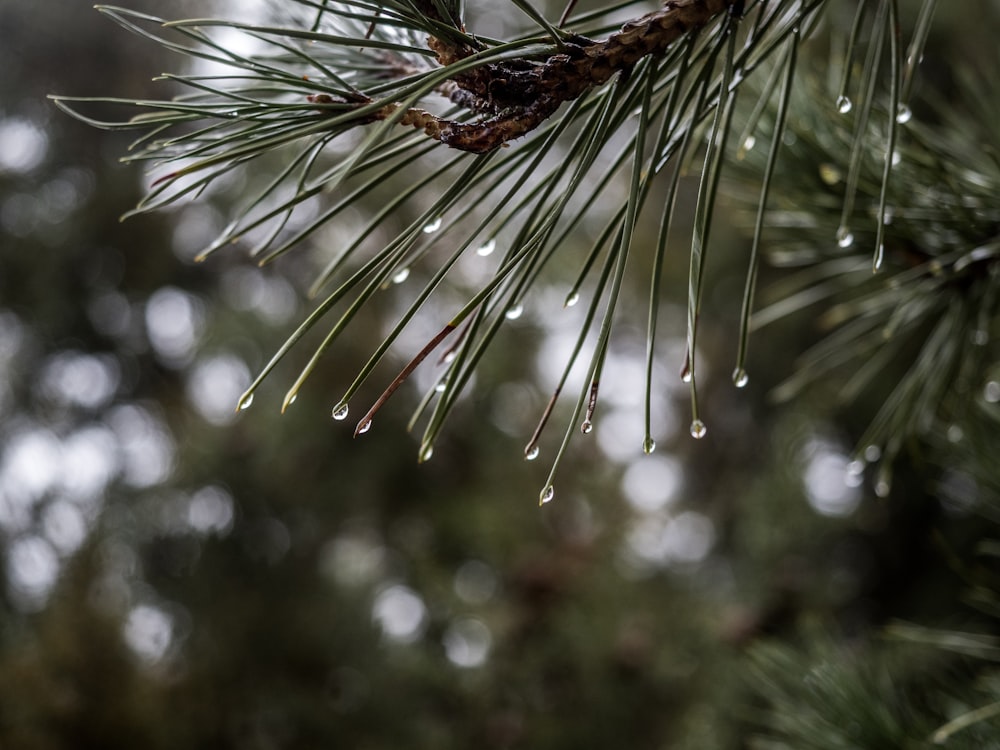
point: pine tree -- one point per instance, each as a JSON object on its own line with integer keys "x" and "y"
{"x": 877, "y": 192}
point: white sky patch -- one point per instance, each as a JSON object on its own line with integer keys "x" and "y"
{"x": 149, "y": 632}
{"x": 467, "y": 642}
{"x": 23, "y": 145}
{"x": 174, "y": 320}
{"x": 828, "y": 478}
{"x": 32, "y": 570}
{"x": 651, "y": 482}
{"x": 215, "y": 385}
{"x": 146, "y": 447}
{"x": 401, "y": 613}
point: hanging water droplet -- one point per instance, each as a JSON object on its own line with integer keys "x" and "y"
{"x": 487, "y": 247}
{"x": 844, "y": 105}
{"x": 546, "y": 495}
{"x": 648, "y": 445}
{"x": 426, "y": 452}
{"x": 873, "y": 453}
{"x": 740, "y": 377}
{"x": 289, "y": 400}
{"x": 572, "y": 299}
{"x": 698, "y": 429}
{"x": 515, "y": 311}
{"x": 845, "y": 238}
{"x": 441, "y": 385}
{"x": 896, "y": 157}
{"x": 401, "y": 275}
{"x": 364, "y": 427}
{"x": 748, "y": 143}
{"x": 686, "y": 371}
{"x": 245, "y": 402}
{"x": 882, "y": 488}
{"x": 340, "y": 412}
{"x": 449, "y": 357}
{"x": 433, "y": 226}
{"x": 587, "y": 427}
{"x": 904, "y": 114}
{"x": 879, "y": 258}
{"x": 829, "y": 173}
{"x": 531, "y": 452}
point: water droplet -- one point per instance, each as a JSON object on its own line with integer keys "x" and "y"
{"x": 955, "y": 434}
{"x": 515, "y": 311}
{"x": 546, "y": 495}
{"x": 829, "y": 173}
{"x": 441, "y": 385}
{"x": 531, "y": 452}
{"x": 340, "y": 412}
{"x": 748, "y": 143}
{"x": 572, "y": 299}
{"x": 980, "y": 337}
{"x": 364, "y": 427}
{"x": 433, "y": 226}
{"x": 878, "y": 259}
{"x": 648, "y": 445}
{"x": 904, "y": 114}
{"x": 291, "y": 399}
{"x": 487, "y": 248}
{"x": 245, "y": 402}
{"x": 882, "y": 488}
{"x": 401, "y": 275}
{"x": 896, "y": 157}
{"x": 449, "y": 357}
{"x": 873, "y": 453}
{"x": 426, "y": 452}
{"x": 844, "y": 105}
{"x": 587, "y": 427}
{"x": 740, "y": 377}
{"x": 845, "y": 238}
{"x": 992, "y": 392}
{"x": 698, "y": 429}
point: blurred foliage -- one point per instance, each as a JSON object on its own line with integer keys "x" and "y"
{"x": 180, "y": 575}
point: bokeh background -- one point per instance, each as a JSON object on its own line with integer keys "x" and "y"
{"x": 174, "y": 573}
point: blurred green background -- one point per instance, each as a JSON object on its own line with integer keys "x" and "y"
{"x": 176, "y": 574}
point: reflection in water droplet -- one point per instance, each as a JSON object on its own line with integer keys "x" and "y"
{"x": 698, "y": 429}
{"x": 340, "y": 412}
{"x": 364, "y": 427}
{"x": 401, "y": 275}
{"x": 845, "y": 238}
{"x": 441, "y": 385}
{"x": 844, "y": 105}
{"x": 245, "y": 402}
{"x": 546, "y": 495}
{"x": 449, "y": 357}
{"x": 531, "y": 452}
{"x": 486, "y": 248}
{"x": 587, "y": 427}
{"x": 749, "y": 142}
{"x": 433, "y": 226}
{"x": 904, "y": 114}
{"x": 572, "y": 299}
{"x": 740, "y": 377}
{"x": 879, "y": 257}
{"x": 514, "y": 312}
{"x": 426, "y": 452}
{"x": 648, "y": 445}
{"x": 291, "y": 399}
